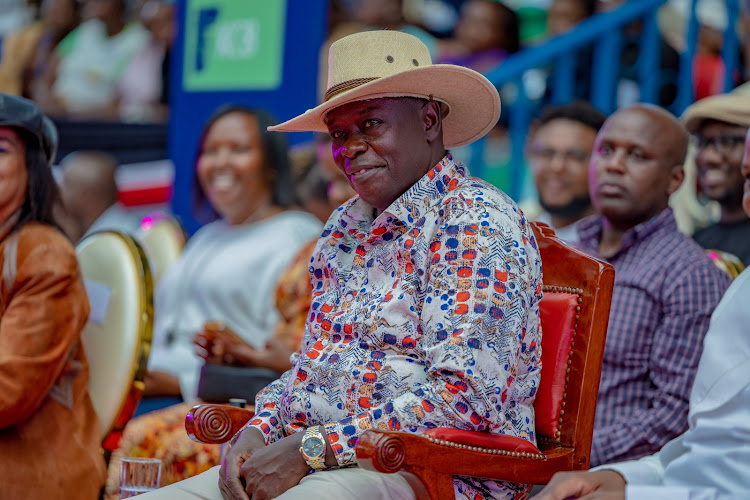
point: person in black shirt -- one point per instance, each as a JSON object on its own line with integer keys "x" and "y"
{"x": 719, "y": 125}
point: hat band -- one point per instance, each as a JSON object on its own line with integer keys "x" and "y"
{"x": 347, "y": 85}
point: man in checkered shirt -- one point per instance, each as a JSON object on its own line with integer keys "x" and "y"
{"x": 665, "y": 286}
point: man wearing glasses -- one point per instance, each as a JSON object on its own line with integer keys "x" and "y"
{"x": 559, "y": 153}
{"x": 719, "y": 125}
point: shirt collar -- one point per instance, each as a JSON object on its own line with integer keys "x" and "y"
{"x": 590, "y": 231}
{"x": 428, "y": 191}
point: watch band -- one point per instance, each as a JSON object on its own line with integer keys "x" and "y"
{"x": 316, "y": 462}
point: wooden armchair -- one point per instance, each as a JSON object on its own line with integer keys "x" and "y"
{"x": 574, "y": 316}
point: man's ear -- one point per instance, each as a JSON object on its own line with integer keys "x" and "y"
{"x": 432, "y": 120}
{"x": 676, "y": 176}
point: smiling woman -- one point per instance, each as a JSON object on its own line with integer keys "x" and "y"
{"x": 229, "y": 269}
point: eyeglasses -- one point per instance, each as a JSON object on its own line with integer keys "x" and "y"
{"x": 722, "y": 144}
{"x": 570, "y": 156}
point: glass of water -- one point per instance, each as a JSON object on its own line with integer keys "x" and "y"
{"x": 138, "y": 475}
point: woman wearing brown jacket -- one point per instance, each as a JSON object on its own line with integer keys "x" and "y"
{"x": 49, "y": 433}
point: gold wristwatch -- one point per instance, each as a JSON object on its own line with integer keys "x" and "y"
{"x": 313, "y": 448}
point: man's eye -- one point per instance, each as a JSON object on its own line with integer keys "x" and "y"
{"x": 369, "y": 123}
{"x": 605, "y": 150}
{"x": 336, "y": 134}
{"x": 637, "y": 155}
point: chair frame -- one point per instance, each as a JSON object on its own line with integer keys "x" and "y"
{"x": 429, "y": 463}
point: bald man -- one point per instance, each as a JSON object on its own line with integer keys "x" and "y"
{"x": 665, "y": 287}
{"x": 89, "y": 194}
{"x": 712, "y": 458}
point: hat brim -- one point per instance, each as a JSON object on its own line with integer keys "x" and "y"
{"x": 729, "y": 108}
{"x": 474, "y": 103}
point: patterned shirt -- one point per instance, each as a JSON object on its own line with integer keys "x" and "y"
{"x": 665, "y": 292}
{"x": 423, "y": 316}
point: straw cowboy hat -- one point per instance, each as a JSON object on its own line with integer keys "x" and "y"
{"x": 375, "y": 64}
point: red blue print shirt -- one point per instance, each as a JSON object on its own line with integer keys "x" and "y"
{"x": 423, "y": 316}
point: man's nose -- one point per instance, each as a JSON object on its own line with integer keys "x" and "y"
{"x": 353, "y": 145}
{"x": 616, "y": 161}
{"x": 707, "y": 154}
{"x": 557, "y": 162}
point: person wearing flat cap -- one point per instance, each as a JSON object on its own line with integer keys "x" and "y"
{"x": 426, "y": 290}
{"x": 49, "y": 433}
{"x": 719, "y": 124}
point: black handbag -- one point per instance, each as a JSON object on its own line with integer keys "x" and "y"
{"x": 220, "y": 383}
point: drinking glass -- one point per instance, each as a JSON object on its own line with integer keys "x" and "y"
{"x": 138, "y": 475}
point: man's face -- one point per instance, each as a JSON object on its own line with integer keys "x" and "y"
{"x": 560, "y": 153}
{"x": 718, "y": 159}
{"x": 632, "y": 174}
{"x": 381, "y": 146}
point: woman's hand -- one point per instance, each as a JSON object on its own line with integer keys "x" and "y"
{"x": 218, "y": 344}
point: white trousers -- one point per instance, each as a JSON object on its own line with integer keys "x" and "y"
{"x": 351, "y": 482}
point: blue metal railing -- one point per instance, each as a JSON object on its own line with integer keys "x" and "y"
{"x": 603, "y": 35}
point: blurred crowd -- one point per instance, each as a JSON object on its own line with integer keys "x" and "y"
{"x": 92, "y": 59}
{"x": 109, "y": 59}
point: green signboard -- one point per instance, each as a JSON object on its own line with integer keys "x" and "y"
{"x": 234, "y": 44}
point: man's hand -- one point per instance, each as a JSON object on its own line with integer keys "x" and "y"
{"x": 274, "y": 469}
{"x": 602, "y": 484}
{"x": 230, "y": 485}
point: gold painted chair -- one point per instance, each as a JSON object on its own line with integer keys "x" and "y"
{"x": 163, "y": 239}
{"x": 117, "y": 336}
{"x": 727, "y": 262}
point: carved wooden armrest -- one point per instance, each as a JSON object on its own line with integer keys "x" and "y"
{"x": 216, "y": 423}
{"x": 445, "y": 452}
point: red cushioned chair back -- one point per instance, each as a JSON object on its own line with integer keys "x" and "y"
{"x": 574, "y": 314}
{"x": 558, "y": 316}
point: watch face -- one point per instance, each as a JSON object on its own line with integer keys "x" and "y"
{"x": 313, "y": 447}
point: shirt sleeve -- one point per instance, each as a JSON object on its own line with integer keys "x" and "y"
{"x": 39, "y": 327}
{"x": 688, "y": 304}
{"x": 267, "y": 419}
{"x": 480, "y": 335}
{"x": 645, "y": 471}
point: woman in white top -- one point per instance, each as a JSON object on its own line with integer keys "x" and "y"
{"x": 229, "y": 269}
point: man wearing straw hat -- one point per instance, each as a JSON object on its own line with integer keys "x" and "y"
{"x": 719, "y": 124}
{"x": 425, "y": 289}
